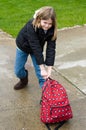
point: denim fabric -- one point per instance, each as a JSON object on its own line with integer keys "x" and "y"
{"x": 37, "y": 71}
{"x": 21, "y": 59}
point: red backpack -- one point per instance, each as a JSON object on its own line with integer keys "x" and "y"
{"x": 55, "y": 106}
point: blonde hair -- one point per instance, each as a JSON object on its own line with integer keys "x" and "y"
{"x": 45, "y": 13}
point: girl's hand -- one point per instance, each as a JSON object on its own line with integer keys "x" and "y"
{"x": 44, "y": 73}
{"x": 49, "y": 71}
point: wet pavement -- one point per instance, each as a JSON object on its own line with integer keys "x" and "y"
{"x": 71, "y": 56}
{"x": 20, "y": 110}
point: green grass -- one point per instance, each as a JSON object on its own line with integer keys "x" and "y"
{"x": 15, "y": 13}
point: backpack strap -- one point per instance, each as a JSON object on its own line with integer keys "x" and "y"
{"x": 48, "y": 126}
{"x": 60, "y": 124}
{"x": 57, "y": 127}
{"x": 45, "y": 88}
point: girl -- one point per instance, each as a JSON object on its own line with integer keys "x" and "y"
{"x": 31, "y": 39}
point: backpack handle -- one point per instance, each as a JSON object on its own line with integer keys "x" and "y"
{"x": 48, "y": 78}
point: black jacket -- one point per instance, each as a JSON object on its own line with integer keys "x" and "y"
{"x": 31, "y": 41}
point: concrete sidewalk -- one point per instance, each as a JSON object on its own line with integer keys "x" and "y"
{"x": 20, "y": 110}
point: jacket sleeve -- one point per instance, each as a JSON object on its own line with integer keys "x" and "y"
{"x": 34, "y": 44}
{"x": 50, "y": 53}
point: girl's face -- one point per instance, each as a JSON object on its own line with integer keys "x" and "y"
{"x": 46, "y": 24}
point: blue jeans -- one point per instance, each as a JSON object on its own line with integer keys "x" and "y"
{"x": 21, "y": 59}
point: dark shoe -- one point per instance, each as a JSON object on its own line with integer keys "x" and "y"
{"x": 22, "y": 83}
